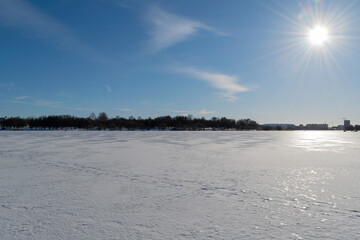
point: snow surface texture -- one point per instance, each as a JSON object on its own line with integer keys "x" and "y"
{"x": 179, "y": 185}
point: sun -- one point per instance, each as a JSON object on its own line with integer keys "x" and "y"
{"x": 318, "y": 35}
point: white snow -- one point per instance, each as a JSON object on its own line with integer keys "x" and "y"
{"x": 179, "y": 185}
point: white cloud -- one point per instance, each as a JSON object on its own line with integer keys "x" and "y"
{"x": 41, "y": 103}
{"x": 123, "y": 109}
{"x": 23, "y": 15}
{"x": 179, "y": 111}
{"x": 189, "y": 112}
{"x": 33, "y": 22}
{"x": 21, "y": 97}
{"x": 168, "y": 29}
{"x": 80, "y": 109}
{"x": 205, "y": 112}
{"x": 108, "y": 88}
{"x": 6, "y": 84}
{"x": 45, "y": 103}
{"x": 227, "y": 83}
{"x": 123, "y": 5}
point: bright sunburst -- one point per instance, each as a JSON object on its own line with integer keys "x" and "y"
{"x": 318, "y": 35}
{"x": 315, "y": 32}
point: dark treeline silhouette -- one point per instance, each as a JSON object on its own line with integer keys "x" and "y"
{"x": 103, "y": 122}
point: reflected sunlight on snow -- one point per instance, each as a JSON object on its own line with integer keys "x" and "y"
{"x": 179, "y": 185}
{"x": 322, "y": 141}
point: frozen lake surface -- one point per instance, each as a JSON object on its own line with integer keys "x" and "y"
{"x": 179, "y": 185}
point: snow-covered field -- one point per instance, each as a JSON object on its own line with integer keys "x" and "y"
{"x": 179, "y": 185}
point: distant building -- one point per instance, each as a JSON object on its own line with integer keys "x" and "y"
{"x": 340, "y": 127}
{"x": 1, "y": 126}
{"x": 346, "y": 124}
{"x": 317, "y": 127}
{"x": 282, "y": 125}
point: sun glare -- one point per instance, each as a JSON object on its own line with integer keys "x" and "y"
{"x": 321, "y": 31}
{"x": 318, "y": 35}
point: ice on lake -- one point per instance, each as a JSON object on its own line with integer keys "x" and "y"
{"x": 179, "y": 185}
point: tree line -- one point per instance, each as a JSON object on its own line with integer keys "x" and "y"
{"x": 103, "y": 122}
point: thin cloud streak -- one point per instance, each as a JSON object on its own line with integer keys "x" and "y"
{"x": 108, "y": 88}
{"x": 45, "y": 103}
{"x": 32, "y": 21}
{"x": 179, "y": 111}
{"x": 7, "y": 84}
{"x": 23, "y": 15}
{"x": 40, "y": 103}
{"x": 188, "y": 112}
{"x": 122, "y": 109}
{"x": 227, "y": 83}
{"x": 183, "y": 113}
{"x": 21, "y": 97}
{"x": 167, "y": 29}
{"x": 205, "y": 112}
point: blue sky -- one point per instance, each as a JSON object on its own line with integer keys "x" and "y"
{"x": 239, "y": 59}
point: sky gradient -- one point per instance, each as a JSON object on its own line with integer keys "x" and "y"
{"x": 239, "y": 59}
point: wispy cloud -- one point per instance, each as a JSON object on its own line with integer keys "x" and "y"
{"x": 227, "y": 83}
{"x": 21, "y": 97}
{"x": 205, "y": 112}
{"x": 47, "y": 103}
{"x": 188, "y": 112}
{"x": 10, "y": 84}
{"x": 108, "y": 88}
{"x": 41, "y": 103}
{"x": 122, "y": 109}
{"x": 179, "y": 111}
{"x": 167, "y": 29}
{"x": 81, "y": 109}
{"x": 44, "y": 103}
{"x": 34, "y": 101}
{"x": 32, "y": 21}
{"x": 123, "y": 5}
{"x": 23, "y": 15}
